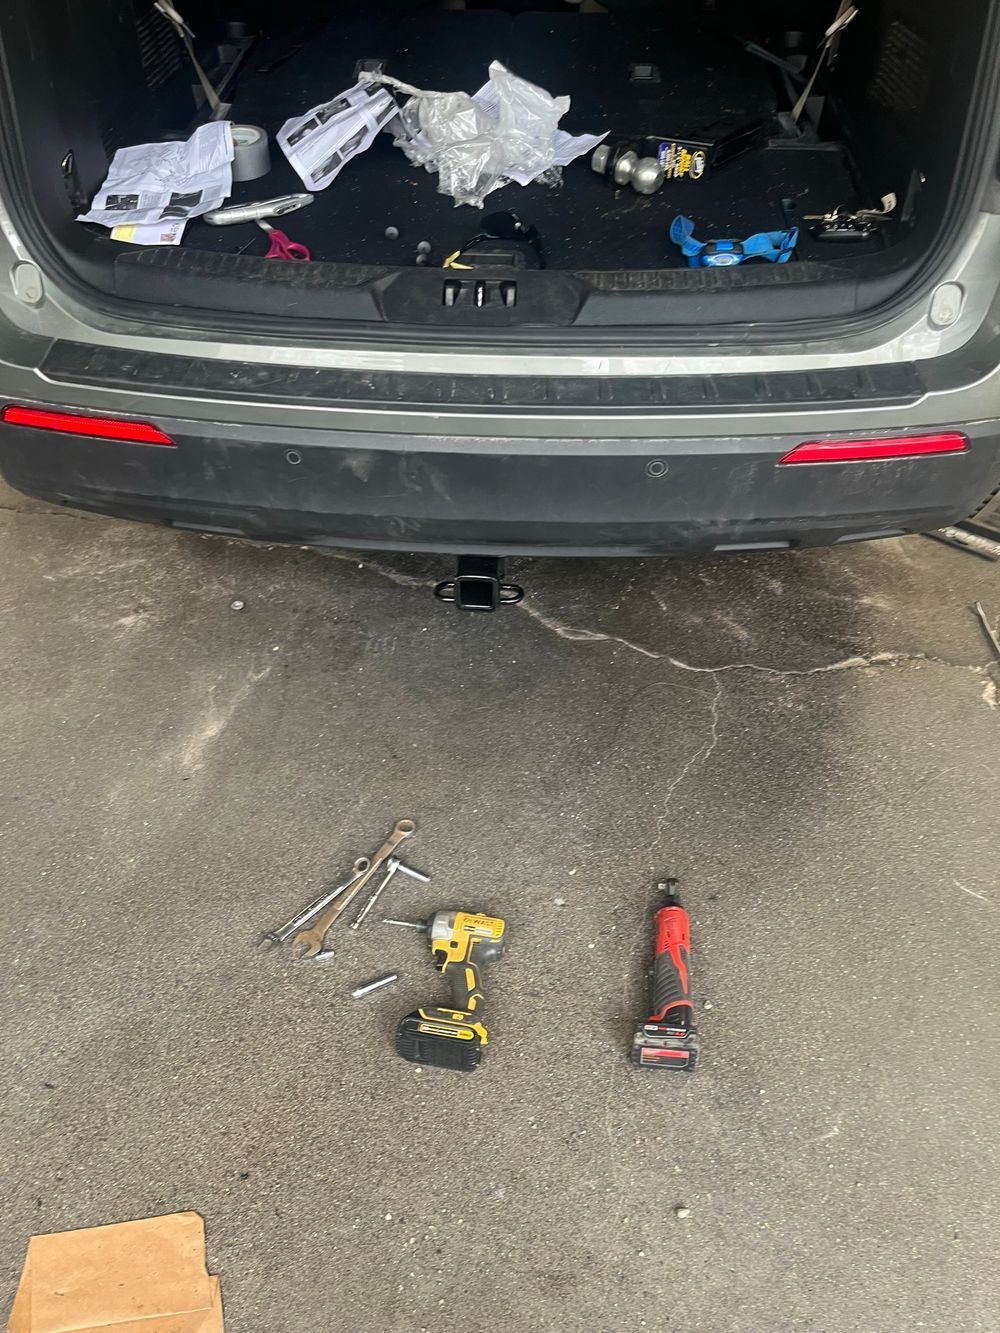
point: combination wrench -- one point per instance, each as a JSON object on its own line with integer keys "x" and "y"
{"x": 307, "y": 913}
{"x": 311, "y": 939}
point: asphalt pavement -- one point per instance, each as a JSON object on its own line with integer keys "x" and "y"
{"x": 807, "y": 740}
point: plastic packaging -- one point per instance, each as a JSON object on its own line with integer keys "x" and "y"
{"x": 507, "y": 131}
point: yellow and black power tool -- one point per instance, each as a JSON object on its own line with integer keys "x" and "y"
{"x": 453, "y": 1036}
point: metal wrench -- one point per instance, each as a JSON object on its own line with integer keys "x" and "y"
{"x": 312, "y": 939}
{"x": 393, "y": 864}
{"x": 312, "y": 909}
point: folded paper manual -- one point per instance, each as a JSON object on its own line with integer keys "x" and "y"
{"x": 319, "y": 143}
{"x": 153, "y": 189}
{"x": 133, "y": 1277}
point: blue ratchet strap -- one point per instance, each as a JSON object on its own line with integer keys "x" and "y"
{"x": 775, "y": 246}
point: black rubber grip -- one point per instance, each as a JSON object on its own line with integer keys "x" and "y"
{"x": 466, "y": 984}
{"x": 670, "y": 986}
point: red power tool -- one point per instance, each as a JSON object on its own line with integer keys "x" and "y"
{"x": 667, "y": 1039}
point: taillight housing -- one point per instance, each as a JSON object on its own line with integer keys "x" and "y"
{"x": 872, "y": 450}
{"x": 120, "y": 429}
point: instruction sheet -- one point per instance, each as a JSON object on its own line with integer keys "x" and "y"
{"x": 319, "y": 143}
{"x": 153, "y": 189}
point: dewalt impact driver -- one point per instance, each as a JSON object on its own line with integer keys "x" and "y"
{"x": 453, "y": 1036}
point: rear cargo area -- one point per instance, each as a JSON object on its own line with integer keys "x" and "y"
{"x": 888, "y": 114}
{"x": 585, "y": 223}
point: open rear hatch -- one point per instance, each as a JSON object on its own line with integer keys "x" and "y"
{"x": 897, "y": 109}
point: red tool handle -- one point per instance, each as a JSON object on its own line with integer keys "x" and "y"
{"x": 672, "y": 965}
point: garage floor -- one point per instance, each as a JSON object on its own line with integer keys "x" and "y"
{"x": 177, "y": 777}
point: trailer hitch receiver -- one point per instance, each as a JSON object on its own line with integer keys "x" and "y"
{"x": 478, "y": 585}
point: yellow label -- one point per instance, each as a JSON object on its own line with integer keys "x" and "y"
{"x": 485, "y": 927}
{"x": 125, "y": 233}
{"x": 437, "y": 1030}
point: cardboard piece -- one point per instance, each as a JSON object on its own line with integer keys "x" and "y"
{"x": 147, "y": 1276}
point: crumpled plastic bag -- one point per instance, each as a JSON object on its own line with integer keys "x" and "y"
{"x": 507, "y": 131}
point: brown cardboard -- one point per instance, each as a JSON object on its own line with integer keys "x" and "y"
{"x": 147, "y": 1276}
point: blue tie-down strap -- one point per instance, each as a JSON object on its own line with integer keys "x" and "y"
{"x": 776, "y": 246}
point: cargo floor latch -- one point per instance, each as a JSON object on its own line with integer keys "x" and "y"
{"x": 478, "y": 585}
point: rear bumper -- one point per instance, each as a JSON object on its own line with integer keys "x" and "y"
{"x": 509, "y": 496}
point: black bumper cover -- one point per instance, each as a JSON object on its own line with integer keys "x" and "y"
{"x": 505, "y": 496}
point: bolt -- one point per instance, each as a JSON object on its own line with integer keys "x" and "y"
{"x": 392, "y": 233}
{"x": 237, "y": 604}
{"x": 424, "y": 247}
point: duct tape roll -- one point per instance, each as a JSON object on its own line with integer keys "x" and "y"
{"x": 252, "y": 158}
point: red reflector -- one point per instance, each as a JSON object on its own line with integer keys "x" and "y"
{"x": 100, "y": 428}
{"x": 860, "y": 451}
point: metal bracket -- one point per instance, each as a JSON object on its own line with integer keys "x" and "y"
{"x": 478, "y": 585}
{"x": 479, "y": 290}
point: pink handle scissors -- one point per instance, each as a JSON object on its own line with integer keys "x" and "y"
{"x": 281, "y": 246}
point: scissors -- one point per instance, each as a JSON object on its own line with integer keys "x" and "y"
{"x": 281, "y": 246}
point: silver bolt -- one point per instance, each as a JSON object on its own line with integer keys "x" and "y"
{"x": 375, "y": 985}
{"x": 424, "y": 247}
{"x": 237, "y": 604}
{"x": 392, "y": 233}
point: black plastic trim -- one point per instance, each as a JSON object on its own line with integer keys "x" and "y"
{"x": 894, "y": 384}
{"x": 476, "y": 496}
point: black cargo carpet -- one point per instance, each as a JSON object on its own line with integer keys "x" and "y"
{"x": 585, "y": 223}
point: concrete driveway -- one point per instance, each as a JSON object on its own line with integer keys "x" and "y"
{"x": 810, "y": 741}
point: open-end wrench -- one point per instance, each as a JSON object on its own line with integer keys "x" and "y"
{"x": 316, "y": 906}
{"x": 312, "y": 939}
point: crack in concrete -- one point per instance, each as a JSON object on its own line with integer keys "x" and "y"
{"x": 857, "y": 661}
{"x": 700, "y": 757}
{"x": 973, "y": 894}
{"x": 577, "y": 634}
{"x": 393, "y": 575}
